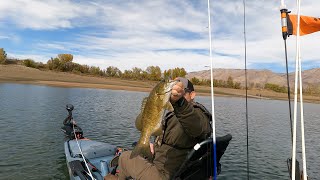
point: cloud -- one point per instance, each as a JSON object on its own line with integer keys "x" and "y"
{"x": 166, "y": 33}
{"x": 4, "y": 37}
{"x": 38, "y": 15}
{"x": 36, "y": 57}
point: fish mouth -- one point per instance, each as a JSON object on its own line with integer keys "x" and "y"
{"x": 167, "y": 91}
{"x": 171, "y": 83}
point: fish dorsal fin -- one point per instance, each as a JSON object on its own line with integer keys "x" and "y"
{"x": 139, "y": 122}
{"x": 143, "y": 104}
{"x": 139, "y": 118}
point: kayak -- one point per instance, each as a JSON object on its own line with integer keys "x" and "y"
{"x": 86, "y": 159}
{"x": 97, "y": 156}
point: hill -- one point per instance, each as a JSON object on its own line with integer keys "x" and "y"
{"x": 260, "y": 77}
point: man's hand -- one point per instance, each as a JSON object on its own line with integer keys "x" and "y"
{"x": 177, "y": 92}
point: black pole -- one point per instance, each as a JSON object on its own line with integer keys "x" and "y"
{"x": 285, "y": 34}
{"x": 288, "y": 85}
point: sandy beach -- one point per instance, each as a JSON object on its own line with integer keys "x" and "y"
{"x": 25, "y": 75}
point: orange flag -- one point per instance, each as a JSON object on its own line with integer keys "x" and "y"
{"x": 308, "y": 24}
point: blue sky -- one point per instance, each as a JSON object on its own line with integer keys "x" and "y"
{"x": 164, "y": 33}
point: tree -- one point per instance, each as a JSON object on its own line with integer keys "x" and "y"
{"x": 84, "y": 69}
{"x": 167, "y": 74}
{"x": 95, "y": 71}
{"x": 237, "y": 85}
{"x": 173, "y": 73}
{"x": 127, "y": 74}
{"x": 207, "y": 82}
{"x": 144, "y": 75}
{"x": 65, "y": 62}
{"x": 221, "y": 83}
{"x": 64, "y": 58}
{"x": 195, "y": 81}
{"x": 29, "y": 63}
{"x": 275, "y": 87}
{"x": 3, "y": 56}
{"x": 136, "y": 73}
{"x": 54, "y": 64}
{"x": 182, "y": 72}
{"x": 50, "y": 64}
{"x": 178, "y": 72}
{"x": 154, "y": 73}
{"x": 230, "y": 82}
{"x": 112, "y": 71}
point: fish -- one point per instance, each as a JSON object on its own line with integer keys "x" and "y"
{"x": 153, "y": 110}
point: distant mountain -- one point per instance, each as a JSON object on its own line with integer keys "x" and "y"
{"x": 259, "y": 77}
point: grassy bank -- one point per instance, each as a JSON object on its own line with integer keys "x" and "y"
{"x": 25, "y": 75}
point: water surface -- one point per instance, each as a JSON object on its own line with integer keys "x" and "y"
{"x": 31, "y": 145}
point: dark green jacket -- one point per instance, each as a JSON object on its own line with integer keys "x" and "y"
{"x": 183, "y": 128}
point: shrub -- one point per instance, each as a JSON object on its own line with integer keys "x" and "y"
{"x": 29, "y": 63}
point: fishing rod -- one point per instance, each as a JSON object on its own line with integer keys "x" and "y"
{"x": 246, "y": 82}
{"x": 212, "y": 99}
{"x": 70, "y": 108}
{"x": 83, "y": 157}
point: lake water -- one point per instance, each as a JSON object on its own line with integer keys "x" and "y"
{"x": 31, "y": 145}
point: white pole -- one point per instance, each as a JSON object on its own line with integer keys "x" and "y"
{"x": 283, "y": 6}
{"x": 85, "y": 162}
{"x": 211, "y": 76}
{"x": 212, "y": 93}
{"x": 301, "y": 111}
{"x": 293, "y": 166}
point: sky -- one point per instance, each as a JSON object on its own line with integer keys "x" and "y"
{"x": 164, "y": 33}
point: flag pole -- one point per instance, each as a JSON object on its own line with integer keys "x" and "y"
{"x": 293, "y": 166}
{"x": 285, "y": 34}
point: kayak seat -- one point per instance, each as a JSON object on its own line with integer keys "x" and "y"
{"x": 77, "y": 169}
{"x": 199, "y": 162}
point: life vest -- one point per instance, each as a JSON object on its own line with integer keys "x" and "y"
{"x": 206, "y": 112}
{"x": 170, "y": 114}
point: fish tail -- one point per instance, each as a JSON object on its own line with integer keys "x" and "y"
{"x": 143, "y": 150}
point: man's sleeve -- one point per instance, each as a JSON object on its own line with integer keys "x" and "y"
{"x": 193, "y": 120}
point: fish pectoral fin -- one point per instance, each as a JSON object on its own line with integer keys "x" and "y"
{"x": 143, "y": 150}
{"x": 139, "y": 122}
{"x": 157, "y": 132}
{"x": 168, "y": 106}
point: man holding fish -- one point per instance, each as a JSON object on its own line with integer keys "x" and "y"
{"x": 170, "y": 114}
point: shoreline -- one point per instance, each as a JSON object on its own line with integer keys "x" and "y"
{"x": 63, "y": 84}
{"x": 77, "y": 85}
{"x": 23, "y": 75}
